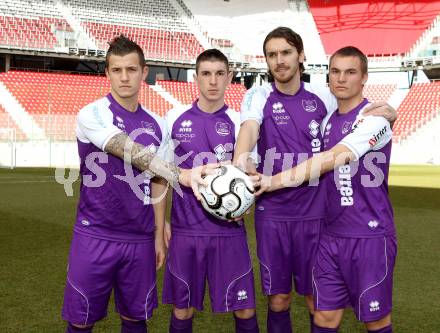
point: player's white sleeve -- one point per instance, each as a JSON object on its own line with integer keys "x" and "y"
{"x": 325, "y": 121}
{"x": 253, "y": 104}
{"x": 95, "y": 125}
{"x": 368, "y": 133}
{"x": 163, "y": 151}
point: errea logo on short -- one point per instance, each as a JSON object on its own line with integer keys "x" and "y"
{"x": 242, "y": 295}
{"x": 373, "y": 224}
{"x": 374, "y": 306}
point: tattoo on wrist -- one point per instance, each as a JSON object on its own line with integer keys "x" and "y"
{"x": 140, "y": 157}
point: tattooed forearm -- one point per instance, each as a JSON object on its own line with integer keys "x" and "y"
{"x": 140, "y": 157}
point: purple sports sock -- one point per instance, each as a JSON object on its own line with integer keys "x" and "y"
{"x": 180, "y": 326}
{"x": 249, "y": 325}
{"x": 388, "y": 329}
{"x": 74, "y": 329}
{"x": 130, "y": 326}
{"x": 279, "y": 322}
{"x": 317, "y": 329}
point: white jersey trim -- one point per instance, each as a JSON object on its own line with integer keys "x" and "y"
{"x": 378, "y": 283}
{"x": 368, "y": 133}
{"x": 146, "y": 300}
{"x": 79, "y": 292}
{"x": 95, "y": 123}
{"x": 232, "y": 282}
{"x": 181, "y": 279}
{"x": 253, "y": 103}
{"x": 270, "y": 277}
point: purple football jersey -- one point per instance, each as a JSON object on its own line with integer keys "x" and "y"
{"x": 289, "y": 134}
{"x": 200, "y": 138}
{"x": 113, "y": 204}
{"x": 357, "y": 193}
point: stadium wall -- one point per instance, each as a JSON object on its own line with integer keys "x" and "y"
{"x": 39, "y": 154}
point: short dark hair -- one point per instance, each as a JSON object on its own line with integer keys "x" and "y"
{"x": 121, "y": 46}
{"x": 351, "y": 51}
{"x": 290, "y": 36}
{"x": 211, "y": 55}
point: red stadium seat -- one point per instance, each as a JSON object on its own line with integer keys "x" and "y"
{"x": 421, "y": 105}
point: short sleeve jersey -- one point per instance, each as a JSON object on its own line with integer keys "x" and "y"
{"x": 115, "y": 202}
{"x": 289, "y": 134}
{"x": 357, "y": 193}
{"x": 200, "y": 138}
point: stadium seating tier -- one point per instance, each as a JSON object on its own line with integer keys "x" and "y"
{"x": 53, "y": 100}
{"x": 420, "y": 106}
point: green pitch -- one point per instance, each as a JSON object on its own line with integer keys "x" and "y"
{"x": 36, "y": 219}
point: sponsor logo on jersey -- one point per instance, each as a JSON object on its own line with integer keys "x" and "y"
{"x": 374, "y": 306}
{"x": 185, "y": 137}
{"x": 278, "y": 108}
{"x": 149, "y": 127}
{"x": 376, "y": 137}
{"x": 373, "y": 224}
{"x": 309, "y": 105}
{"x": 344, "y": 185}
{"x": 185, "y": 126}
{"x": 222, "y": 129}
{"x": 281, "y": 119}
{"x": 242, "y": 295}
{"x": 346, "y": 127}
{"x": 314, "y": 128}
{"x": 185, "y": 131}
{"x": 356, "y": 124}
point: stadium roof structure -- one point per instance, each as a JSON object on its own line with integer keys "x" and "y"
{"x": 379, "y": 27}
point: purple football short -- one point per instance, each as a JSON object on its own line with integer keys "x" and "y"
{"x": 96, "y": 266}
{"x": 356, "y": 272}
{"x": 223, "y": 261}
{"x": 286, "y": 250}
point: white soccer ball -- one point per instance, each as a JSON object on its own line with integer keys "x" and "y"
{"x": 229, "y": 194}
